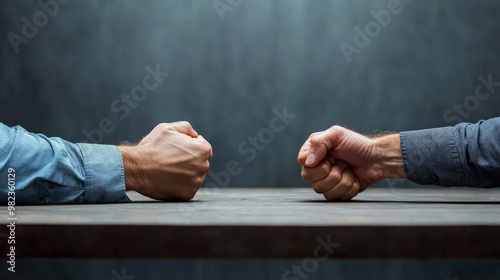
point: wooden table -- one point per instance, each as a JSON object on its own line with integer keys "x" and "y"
{"x": 380, "y": 223}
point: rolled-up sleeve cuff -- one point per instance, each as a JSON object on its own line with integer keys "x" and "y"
{"x": 104, "y": 175}
{"x": 430, "y": 156}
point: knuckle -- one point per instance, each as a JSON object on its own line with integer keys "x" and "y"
{"x": 313, "y": 139}
{"x": 344, "y": 186}
{"x": 202, "y": 145}
{"x": 335, "y": 176}
{"x": 324, "y": 169}
{"x": 205, "y": 167}
{"x": 197, "y": 147}
{"x": 350, "y": 180}
{"x": 329, "y": 196}
{"x": 318, "y": 188}
{"x": 305, "y": 175}
{"x": 207, "y": 149}
{"x": 336, "y": 128}
{"x": 184, "y": 123}
{"x": 299, "y": 159}
{"x": 198, "y": 182}
{"x": 162, "y": 126}
{"x": 314, "y": 134}
{"x": 356, "y": 187}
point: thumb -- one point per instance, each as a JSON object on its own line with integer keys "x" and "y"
{"x": 323, "y": 142}
{"x": 184, "y": 127}
{"x": 317, "y": 150}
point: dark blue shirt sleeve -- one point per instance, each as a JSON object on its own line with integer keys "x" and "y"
{"x": 463, "y": 155}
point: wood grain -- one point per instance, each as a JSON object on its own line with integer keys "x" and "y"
{"x": 269, "y": 223}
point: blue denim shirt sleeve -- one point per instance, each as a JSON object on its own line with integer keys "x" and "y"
{"x": 51, "y": 170}
{"x": 463, "y": 155}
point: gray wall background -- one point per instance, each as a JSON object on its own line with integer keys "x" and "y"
{"x": 227, "y": 76}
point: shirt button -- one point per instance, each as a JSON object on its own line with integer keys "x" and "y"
{"x": 46, "y": 200}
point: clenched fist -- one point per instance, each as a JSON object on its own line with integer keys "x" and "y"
{"x": 170, "y": 163}
{"x": 340, "y": 163}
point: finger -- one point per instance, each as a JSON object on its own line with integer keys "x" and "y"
{"x": 342, "y": 187}
{"x": 184, "y": 127}
{"x": 331, "y": 160}
{"x": 331, "y": 180}
{"x": 207, "y": 144}
{"x": 304, "y": 150}
{"x": 355, "y": 189}
{"x": 313, "y": 174}
{"x": 363, "y": 187}
{"x": 323, "y": 142}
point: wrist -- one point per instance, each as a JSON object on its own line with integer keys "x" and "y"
{"x": 388, "y": 155}
{"x": 130, "y": 167}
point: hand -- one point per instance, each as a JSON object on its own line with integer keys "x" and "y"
{"x": 170, "y": 163}
{"x": 340, "y": 163}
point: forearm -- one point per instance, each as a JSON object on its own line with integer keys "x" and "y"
{"x": 51, "y": 170}
{"x": 479, "y": 152}
{"x": 463, "y": 155}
